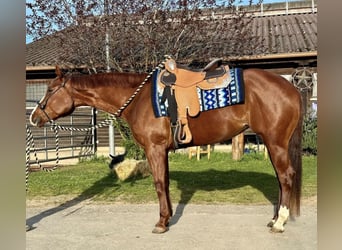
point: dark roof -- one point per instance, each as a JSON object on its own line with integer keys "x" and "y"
{"x": 287, "y": 33}
{"x": 282, "y": 35}
{"x": 43, "y": 52}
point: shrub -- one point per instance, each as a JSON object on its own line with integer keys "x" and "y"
{"x": 133, "y": 150}
{"x": 310, "y": 135}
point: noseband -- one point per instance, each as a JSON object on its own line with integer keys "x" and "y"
{"x": 43, "y": 105}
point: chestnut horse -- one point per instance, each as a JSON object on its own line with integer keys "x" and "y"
{"x": 272, "y": 109}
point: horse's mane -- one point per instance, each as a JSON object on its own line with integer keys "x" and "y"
{"x": 126, "y": 80}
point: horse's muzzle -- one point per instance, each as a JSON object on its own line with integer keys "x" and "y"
{"x": 36, "y": 121}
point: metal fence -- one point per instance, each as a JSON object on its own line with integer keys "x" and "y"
{"x": 72, "y": 144}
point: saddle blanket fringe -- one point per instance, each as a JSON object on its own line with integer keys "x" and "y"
{"x": 209, "y": 99}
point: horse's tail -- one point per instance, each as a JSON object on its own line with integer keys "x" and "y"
{"x": 295, "y": 152}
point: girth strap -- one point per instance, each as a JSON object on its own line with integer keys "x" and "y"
{"x": 169, "y": 96}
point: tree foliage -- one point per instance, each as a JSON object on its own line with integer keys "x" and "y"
{"x": 141, "y": 32}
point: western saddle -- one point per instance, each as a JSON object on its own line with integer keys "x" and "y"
{"x": 184, "y": 83}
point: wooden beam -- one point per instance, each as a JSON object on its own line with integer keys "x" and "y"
{"x": 39, "y": 68}
{"x": 53, "y": 67}
{"x": 225, "y": 58}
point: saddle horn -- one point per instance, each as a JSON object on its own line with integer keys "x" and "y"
{"x": 171, "y": 66}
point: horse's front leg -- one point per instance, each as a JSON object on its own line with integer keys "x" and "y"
{"x": 157, "y": 157}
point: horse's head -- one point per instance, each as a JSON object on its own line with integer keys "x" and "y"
{"x": 57, "y": 101}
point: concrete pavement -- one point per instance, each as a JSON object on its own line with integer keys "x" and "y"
{"x": 88, "y": 225}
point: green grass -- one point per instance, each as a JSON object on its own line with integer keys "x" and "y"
{"x": 218, "y": 180}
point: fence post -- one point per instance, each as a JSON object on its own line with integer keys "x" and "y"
{"x": 111, "y": 138}
{"x": 94, "y": 112}
{"x": 237, "y": 146}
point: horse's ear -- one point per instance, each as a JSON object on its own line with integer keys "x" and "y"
{"x": 59, "y": 72}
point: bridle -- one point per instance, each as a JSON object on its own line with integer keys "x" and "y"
{"x": 43, "y": 105}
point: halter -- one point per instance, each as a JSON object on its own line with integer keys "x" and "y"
{"x": 43, "y": 105}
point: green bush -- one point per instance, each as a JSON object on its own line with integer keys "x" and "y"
{"x": 133, "y": 150}
{"x": 310, "y": 135}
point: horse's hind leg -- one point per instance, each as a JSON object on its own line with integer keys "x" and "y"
{"x": 285, "y": 174}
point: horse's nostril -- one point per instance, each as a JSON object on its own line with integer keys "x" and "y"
{"x": 37, "y": 121}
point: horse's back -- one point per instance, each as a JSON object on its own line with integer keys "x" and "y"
{"x": 271, "y": 88}
{"x": 268, "y": 81}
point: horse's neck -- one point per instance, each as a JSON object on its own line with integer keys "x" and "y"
{"x": 102, "y": 98}
{"x": 107, "y": 98}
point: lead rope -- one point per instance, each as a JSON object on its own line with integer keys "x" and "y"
{"x": 30, "y": 145}
{"x": 113, "y": 117}
{"x": 29, "y": 138}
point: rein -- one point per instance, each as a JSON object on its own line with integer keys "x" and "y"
{"x": 56, "y": 127}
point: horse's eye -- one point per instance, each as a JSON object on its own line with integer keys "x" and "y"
{"x": 49, "y": 90}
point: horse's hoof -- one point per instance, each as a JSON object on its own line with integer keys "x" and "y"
{"x": 277, "y": 230}
{"x": 271, "y": 223}
{"x": 159, "y": 230}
